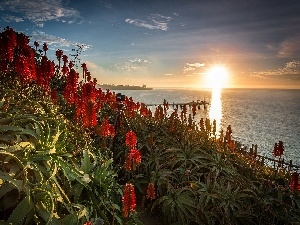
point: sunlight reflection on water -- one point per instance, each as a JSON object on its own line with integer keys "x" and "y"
{"x": 215, "y": 110}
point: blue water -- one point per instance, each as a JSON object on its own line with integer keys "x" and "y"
{"x": 257, "y": 116}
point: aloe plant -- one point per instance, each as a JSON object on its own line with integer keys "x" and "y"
{"x": 41, "y": 180}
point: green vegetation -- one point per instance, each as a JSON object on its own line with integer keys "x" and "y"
{"x": 67, "y": 158}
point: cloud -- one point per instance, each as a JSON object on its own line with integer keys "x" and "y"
{"x": 136, "y": 60}
{"x": 291, "y": 68}
{"x": 10, "y": 18}
{"x": 39, "y": 11}
{"x": 56, "y": 42}
{"x": 133, "y": 64}
{"x": 196, "y": 64}
{"x": 192, "y": 66}
{"x": 290, "y": 47}
{"x": 106, "y": 5}
{"x": 169, "y": 74}
{"x": 154, "y": 22}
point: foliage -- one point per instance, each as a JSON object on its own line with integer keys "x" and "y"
{"x": 50, "y": 172}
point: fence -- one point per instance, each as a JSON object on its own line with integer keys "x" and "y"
{"x": 275, "y": 162}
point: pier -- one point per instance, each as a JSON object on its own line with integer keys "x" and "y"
{"x": 196, "y": 104}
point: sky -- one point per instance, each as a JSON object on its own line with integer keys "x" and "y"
{"x": 172, "y": 43}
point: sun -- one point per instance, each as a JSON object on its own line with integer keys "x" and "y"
{"x": 217, "y": 77}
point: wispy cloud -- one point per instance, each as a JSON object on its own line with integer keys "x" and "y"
{"x": 290, "y": 47}
{"x": 38, "y": 11}
{"x": 10, "y": 18}
{"x": 154, "y": 22}
{"x": 192, "y": 67}
{"x": 56, "y": 42}
{"x": 106, "y": 5}
{"x": 133, "y": 64}
{"x": 290, "y": 68}
{"x": 139, "y": 60}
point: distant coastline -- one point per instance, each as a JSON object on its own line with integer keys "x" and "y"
{"x": 123, "y": 87}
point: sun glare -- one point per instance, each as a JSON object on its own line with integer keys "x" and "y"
{"x": 216, "y": 77}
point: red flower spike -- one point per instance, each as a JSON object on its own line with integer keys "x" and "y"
{"x": 278, "y": 149}
{"x": 71, "y": 64}
{"x": 88, "y": 223}
{"x": 151, "y": 191}
{"x": 45, "y": 48}
{"x": 8, "y": 41}
{"x": 45, "y": 73}
{"x": 128, "y": 200}
{"x": 130, "y": 139}
{"x": 133, "y": 159}
{"x": 83, "y": 65}
{"x": 128, "y": 163}
{"x": 88, "y": 76}
{"x": 59, "y": 54}
{"x": 22, "y": 41}
{"x": 65, "y": 59}
{"x": 70, "y": 92}
{"x": 106, "y": 129}
{"x": 294, "y": 183}
{"x": 36, "y": 44}
{"x": 135, "y": 156}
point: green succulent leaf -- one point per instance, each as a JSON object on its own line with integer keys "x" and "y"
{"x": 20, "y": 212}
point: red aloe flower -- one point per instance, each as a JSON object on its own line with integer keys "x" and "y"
{"x": 130, "y": 139}
{"x": 22, "y": 41}
{"x": 71, "y": 64}
{"x": 90, "y": 118}
{"x": 45, "y": 48}
{"x": 21, "y": 67}
{"x": 8, "y": 41}
{"x": 294, "y": 183}
{"x": 143, "y": 110}
{"x": 70, "y": 92}
{"x": 135, "y": 156}
{"x": 228, "y": 133}
{"x": 45, "y": 73}
{"x": 36, "y": 44}
{"x": 58, "y": 54}
{"x": 88, "y": 76}
{"x": 65, "y": 59}
{"x": 151, "y": 191}
{"x": 88, "y": 223}
{"x": 278, "y": 149}
{"x": 106, "y": 129}
{"x": 84, "y": 70}
{"x": 133, "y": 159}
{"x": 128, "y": 200}
{"x": 128, "y": 163}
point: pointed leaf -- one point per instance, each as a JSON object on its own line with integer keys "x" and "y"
{"x": 20, "y": 212}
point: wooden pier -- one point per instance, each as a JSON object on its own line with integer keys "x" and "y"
{"x": 191, "y": 104}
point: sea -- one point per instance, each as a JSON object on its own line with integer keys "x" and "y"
{"x": 256, "y": 116}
